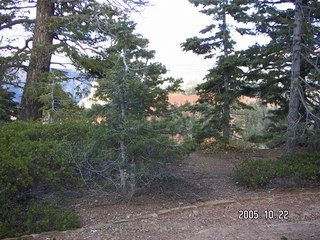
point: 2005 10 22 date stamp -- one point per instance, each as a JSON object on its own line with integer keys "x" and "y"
{"x": 267, "y": 214}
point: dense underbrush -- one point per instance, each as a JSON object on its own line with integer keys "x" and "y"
{"x": 297, "y": 170}
{"x": 39, "y": 162}
{"x": 35, "y": 171}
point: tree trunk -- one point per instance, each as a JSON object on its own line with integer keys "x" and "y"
{"x": 39, "y": 64}
{"x": 127, "y": 170}
{"x": 226, "y": 131}
{"x": 294, "y": 102}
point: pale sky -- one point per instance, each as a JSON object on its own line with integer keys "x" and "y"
{"x": 167, "y": 24}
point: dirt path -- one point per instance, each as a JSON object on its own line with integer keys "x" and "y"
{"x": 201, "y": 202}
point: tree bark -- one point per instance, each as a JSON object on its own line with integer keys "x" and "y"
{"x": 127, "y": 174}
{"x": 39, "y": 64}
{"x": 226, "y": 131}
{"x": 294, "y": 102}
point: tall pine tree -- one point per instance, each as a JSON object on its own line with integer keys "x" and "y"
{"x": 222, "y": 88}
{"x": 134, "y": 133}
{"x": 283, "y": 70}
{"x": 59, "y": 26}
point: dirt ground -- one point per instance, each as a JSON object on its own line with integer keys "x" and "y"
{"x": 201, "y": 201}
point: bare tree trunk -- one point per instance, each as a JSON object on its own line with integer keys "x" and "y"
{"x": 127, "y": 174}
{"x": 39, "y": 63}
{"x": 226, "y": 131}
{"x": 294, "y": 102}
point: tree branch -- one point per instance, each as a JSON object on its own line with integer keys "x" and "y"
{"x": 311, "y": 63}
{"x": 16, "y": 8}
{"x": 307, "y": 108}
{"x": 25, "y": 46}
{"x": 15, "y": 22}
{"x": 276, "y": 2}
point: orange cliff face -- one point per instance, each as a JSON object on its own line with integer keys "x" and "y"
{"x": 180, "y": 99}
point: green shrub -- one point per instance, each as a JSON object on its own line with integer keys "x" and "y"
{"x": 31, "y": 217}
{"x": 149, "y": 150}
{"x": 300, "y": 168}
{"x": 313, "y": 142}
{"x": 34, "y": 163}
{"x": 254, "y": 172}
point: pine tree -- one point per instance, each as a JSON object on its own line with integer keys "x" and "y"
{"x": 133, "y": 128}
{"x": 72, "y": 23}
{"x": 40, "y": 60}
{"x": 223, "y": 84}
{"x": 8, "y": 107}
{"x": 286, "y": 65}
{"x": 58, "y": 105}
{"x": 294, "y": 101}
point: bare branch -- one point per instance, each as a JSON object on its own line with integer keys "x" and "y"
{"x": 9, "y": 47}
{"x": 311, "y": 63}
{"x": 276, "y": 2}
{"x": 307, "y": 108}
{"x": 15, "y": 22}
{"x": 16, "y": 8}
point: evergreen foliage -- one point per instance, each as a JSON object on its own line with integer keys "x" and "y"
{"x": 8, "y": 107}
{"x": 223, "y": 84}
{"x": 299, "y": 169}
{"x": 35, "y": 169}
{"x": 58, "y": 105}
{"x": 65, "y": 27}
{"x": 137, "y": 120}
{"x": 252, "y": 122}
{"x": 270, "y": 65}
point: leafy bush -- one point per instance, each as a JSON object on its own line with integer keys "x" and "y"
{"x": 34, "y": 162}
{"x": 255, "y": 173}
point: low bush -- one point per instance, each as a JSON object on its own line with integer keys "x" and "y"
{"x": 300, "y": 168}
{"x": 35, "y": 164}
{"x": 253, "y": 172}
{"x": 29, "y": 216}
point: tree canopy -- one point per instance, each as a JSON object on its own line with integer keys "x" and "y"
{"x": 70, "y": 28}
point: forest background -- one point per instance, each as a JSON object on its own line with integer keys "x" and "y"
{"x": 123, "y": 144}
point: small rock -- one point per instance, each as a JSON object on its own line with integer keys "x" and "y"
{"x": 154, "y": 215}
{"x": 195, "y": 213}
